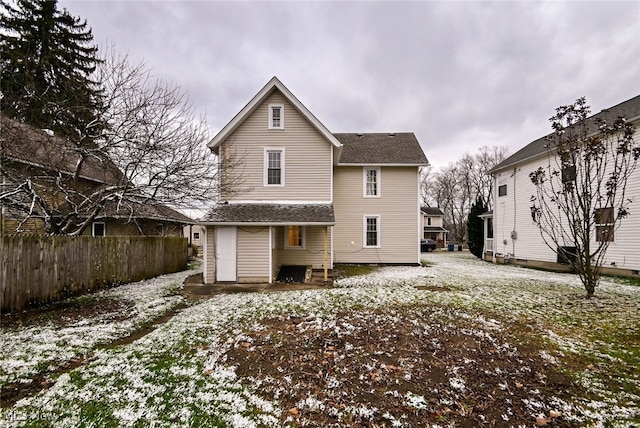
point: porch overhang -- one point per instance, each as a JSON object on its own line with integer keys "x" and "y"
{"x": 435, "y": 229}
{"x": 265, "y": 214}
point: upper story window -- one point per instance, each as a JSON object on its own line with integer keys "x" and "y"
{"x": 502, "y": 186}
{"x": 276, "y": 116}
{"x": 98, "y": 229}
{"x": 371, "y": 182}
{"x": 428, "y": 221}
{"x": 295, "y": 237}
{"x": 274, "y": 166}
{"x": 372, "y": 231}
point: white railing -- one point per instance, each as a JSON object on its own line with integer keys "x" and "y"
{"x": 488, "y": 244}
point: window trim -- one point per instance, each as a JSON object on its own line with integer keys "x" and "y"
{"x": 378, "y": 182}
{"x": 265, "y": 177}
{"x": 303, "y": 236}
{"x": 378, "y": 231}
{"x": 271, "y": 108}
{"x": 93, "y": 229}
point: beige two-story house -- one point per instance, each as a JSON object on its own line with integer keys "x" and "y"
{"x": 293, "y": 194}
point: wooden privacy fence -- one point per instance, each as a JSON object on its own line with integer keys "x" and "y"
{"x": 39, "y": 269}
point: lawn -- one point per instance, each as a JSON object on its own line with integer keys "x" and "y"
{"x": 458, "y": 342}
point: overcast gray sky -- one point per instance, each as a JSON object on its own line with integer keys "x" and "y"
{"x": 460, "y": 75}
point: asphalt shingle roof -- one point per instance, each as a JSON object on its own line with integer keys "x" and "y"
{"x": 270, "y": 214}
{"x": 23, "y": 142}
{"x": 630, "y": 109}
{"x": 381, "y": 148}
{"x": 432, "y": 210}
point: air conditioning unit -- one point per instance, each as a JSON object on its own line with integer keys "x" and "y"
{"x": 514, "y": 235}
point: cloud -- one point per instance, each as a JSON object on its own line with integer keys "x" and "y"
{"x": 459, "y": 74}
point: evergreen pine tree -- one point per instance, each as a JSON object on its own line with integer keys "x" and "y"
{"x": 475, "y": 228}
{"x": 46, "y": 63}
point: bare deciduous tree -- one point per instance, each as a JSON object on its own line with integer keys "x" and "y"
{"x": 455, "y": 187}
{"x": 152, "y": 150}
{"x": 580, "y": 194}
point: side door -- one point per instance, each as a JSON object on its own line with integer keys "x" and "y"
{"x": 226, "y": 258}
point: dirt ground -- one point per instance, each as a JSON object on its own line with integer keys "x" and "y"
{"x": 414, "y": 366}
{"x": 329, "y": 375}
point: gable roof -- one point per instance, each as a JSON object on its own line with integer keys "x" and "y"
{"x": 431, "y": 210}
{"x": 273, "y": 85}
{"x": 630, "y": 109}
{"x": 381, "y": 148}
{"x": 270, "y": 214}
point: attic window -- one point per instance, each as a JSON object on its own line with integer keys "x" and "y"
{"x": 276, "y": 116}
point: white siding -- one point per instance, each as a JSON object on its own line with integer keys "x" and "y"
{"x": 397, "y": 208}
{"x": 512, "y": 213}
{"x": 307, "y": 169}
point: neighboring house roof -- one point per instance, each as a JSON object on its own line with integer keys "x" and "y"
{"x": 265, "y": 92}
{"x": 270, "y": 214}
{"x": 148, "y": 211}
{"x": 29, "y": 145}
{"x": 431, "y": 210}
{"x": 25, "y": 144}
{"x": 381, "y": 148}
{"x": 630, "y": 109}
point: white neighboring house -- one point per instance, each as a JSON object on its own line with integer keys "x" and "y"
{"x": 516, "y": 238}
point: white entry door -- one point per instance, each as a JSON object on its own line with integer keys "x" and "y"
{"x": 226, "y": 254}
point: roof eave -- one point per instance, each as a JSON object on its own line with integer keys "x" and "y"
{"x": 381, "y": 164}
{"x": 264, "y": 223}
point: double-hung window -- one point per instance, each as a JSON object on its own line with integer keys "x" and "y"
{"x": 372, "y": 231}
{"x": 274, "y": 166}
{"x": 371, "y": 178}
{"x": 276, "y": 116}
{"x": 605, "y": 224}
{"x": 502, "y": 186}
